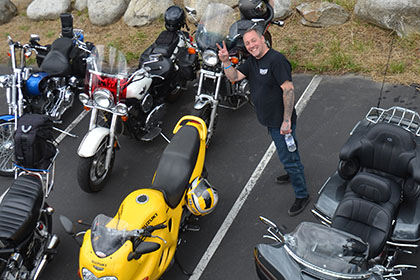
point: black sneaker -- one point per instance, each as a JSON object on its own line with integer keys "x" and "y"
{"x": 283, "y": 179}
{"x": 298, "y": 206}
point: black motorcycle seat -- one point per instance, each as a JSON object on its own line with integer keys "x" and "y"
{"x": 56, "y": 62}
{"x": 368, "y": 209}
{"x": 20, "y": 208}
{"x": 177, "y": 164}
{"x": 384, "y": 147}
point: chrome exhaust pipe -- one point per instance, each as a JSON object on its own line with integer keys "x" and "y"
{"x": 54, "y": 241}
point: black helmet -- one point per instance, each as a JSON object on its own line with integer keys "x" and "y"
{"x": 174, "y": 18}
{"x": 253, "y": 8}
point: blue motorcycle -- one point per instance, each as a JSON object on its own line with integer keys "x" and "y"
{"x": 49, "y": 90}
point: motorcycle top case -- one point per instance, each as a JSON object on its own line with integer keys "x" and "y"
{"x": 33, "y": 141}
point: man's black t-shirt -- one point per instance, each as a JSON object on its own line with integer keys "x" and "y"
{"x": 265, "y": 76}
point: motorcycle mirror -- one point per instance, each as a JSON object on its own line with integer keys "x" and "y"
{"x": 67, "y": 224}
{"x": 143, "y": 248}
{"x": 34, "y": 38}
{"x": 191, "y": 10}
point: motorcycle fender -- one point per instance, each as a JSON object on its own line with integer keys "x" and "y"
{"x": 201, "y": 102}
{"x": 91, "y": 142}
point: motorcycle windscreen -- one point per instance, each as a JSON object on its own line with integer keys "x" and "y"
{"x": 214, "y": 25}
{"x": 107, "y": 69}
{"x": 108, "y": 235}
{"x": 328, "y": 249}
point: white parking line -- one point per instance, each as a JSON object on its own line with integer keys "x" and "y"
{"x": 71, "y": 126}
{"x": 205, "y": 259}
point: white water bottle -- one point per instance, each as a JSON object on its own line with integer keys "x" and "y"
{"x": 290, "y": 142}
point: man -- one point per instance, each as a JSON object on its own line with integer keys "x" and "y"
{"x": 272, "y": 92}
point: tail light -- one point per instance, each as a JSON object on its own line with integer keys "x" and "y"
{"x": 234, "y": 60}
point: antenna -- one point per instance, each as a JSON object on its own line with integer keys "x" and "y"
{"x": 386, "y": 70}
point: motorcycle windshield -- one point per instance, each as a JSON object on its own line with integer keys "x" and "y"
{"x": 214, "y": 26}
{"x": 107, "y": 235}
{"x": 328, "y": 250}
{"x": 107, "y": 68}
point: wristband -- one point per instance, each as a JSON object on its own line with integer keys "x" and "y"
{"x": 230, "y": 65}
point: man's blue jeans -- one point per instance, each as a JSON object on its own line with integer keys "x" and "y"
{"x": 290, "y": 161}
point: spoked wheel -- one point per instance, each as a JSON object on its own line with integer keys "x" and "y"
{"x": 205, "y": 114}
{"x": 7, "y": 147}
{"x": 91, "y": 172}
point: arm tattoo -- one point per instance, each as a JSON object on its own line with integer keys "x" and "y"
{"x": 288, "y": 100}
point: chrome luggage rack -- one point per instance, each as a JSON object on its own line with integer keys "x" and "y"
{"x": 405, "y": 118}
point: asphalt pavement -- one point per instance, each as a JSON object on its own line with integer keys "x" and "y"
{"x": 237, "y": 148}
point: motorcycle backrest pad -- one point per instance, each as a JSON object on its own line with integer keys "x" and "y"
{"x": 66, "y": 25}
{"x": 33, "y": 141}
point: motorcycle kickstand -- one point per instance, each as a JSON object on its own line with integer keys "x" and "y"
{"x": 182, "y": 268}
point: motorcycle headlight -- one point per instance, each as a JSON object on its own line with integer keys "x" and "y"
{"x": 210, "y": 57}
{"x": 103, "y": 98}
{"x": 121, "y": 108}
{"x": 84, "y": 98}
{"x": 87, "y": 275}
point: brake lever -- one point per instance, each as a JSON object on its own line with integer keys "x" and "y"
{"x": 155, "y": 236}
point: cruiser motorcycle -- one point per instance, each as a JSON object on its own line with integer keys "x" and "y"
{"x": 120, "y": 103}
{"x": 49, "y": 90}
{"x": 214, "y": 89}
{"x": 27, "y": 243}
{"x": 368, "y": 209}
{"x": 140, "y": 241}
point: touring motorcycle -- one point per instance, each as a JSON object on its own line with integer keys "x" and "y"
{"x": 172, "y": 56}
{"x": 49, "y": 90}
{"x": 140, "y": 241}
{"x": 368, "y": 209}
{"x": 214, "y": 90}
{"x": 27, "y": 243}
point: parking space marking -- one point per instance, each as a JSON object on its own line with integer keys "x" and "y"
{"x": 71, "y": 126}
{"x": 205, "y": 259}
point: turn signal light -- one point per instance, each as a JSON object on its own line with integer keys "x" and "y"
{"x": 192, "y": 51}
{"x": 234, "y": 60}
{"x": 8, "y": 54}
{"x": 86, "y": 108}
{"x": 124, "y": 118}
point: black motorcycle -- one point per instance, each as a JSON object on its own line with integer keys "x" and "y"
{"x": 369, "y": 208}
{"x": 214, "y": 89}
{"x": 27, "y": 243}
{"x": 171, "y": 59}
{"x": 49, "y": 90}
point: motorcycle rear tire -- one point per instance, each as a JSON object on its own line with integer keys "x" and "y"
{"x": 7, "y": 148}
{"x": 87, "y": 171}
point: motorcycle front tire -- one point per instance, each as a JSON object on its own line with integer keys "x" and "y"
{"x": 91, "y": 173}
{"x": 7, "y": 148}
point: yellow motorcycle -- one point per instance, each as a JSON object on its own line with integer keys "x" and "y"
{"x": 140, "y": 241}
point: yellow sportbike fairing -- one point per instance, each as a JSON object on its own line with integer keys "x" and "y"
{"x": 141, "y": 208}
